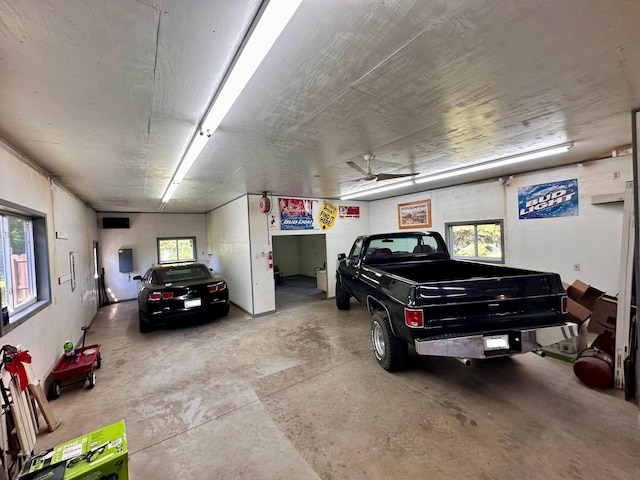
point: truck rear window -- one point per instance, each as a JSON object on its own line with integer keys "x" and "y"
{"x": 414, "y": 244}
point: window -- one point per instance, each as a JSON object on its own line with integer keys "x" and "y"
{"x": 479, "y": 241}
{"x": 24, "y": 274}
{"x": 175, "y": 250}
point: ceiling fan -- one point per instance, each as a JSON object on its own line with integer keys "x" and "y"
{"x": 368, "y": 175}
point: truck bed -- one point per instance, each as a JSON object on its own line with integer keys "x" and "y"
{"x": 446, "y": 270}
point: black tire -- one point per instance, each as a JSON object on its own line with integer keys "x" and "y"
{"x": 225, "y": 310}
{"x": 92, "y": 378}
{"x": 342, "y": 297}
{"x": 144, "y": 325}
{"x": 391, "y": 352}
{"x": 55, "y": 390}
{"x": 99, "y": 360}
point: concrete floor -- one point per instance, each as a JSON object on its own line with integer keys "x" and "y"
{"x": 299, "y": 395}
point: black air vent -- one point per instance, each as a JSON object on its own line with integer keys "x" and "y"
{"x": 115, "y": 222}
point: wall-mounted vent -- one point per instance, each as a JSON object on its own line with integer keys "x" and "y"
{"x": 115, "y": 222}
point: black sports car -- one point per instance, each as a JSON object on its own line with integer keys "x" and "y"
{"x": 170, "y": 293}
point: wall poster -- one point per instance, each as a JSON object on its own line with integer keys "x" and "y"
{"x": 327, "y": 215}
{"x": 298, "y": 214}
{"x": 414, "y": 214}
{"x": 557, "y": 199}
{"x": 348, "y": 211}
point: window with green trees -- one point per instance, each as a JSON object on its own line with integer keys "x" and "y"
{"x": 176, "y": 250}
{"x": 480, "y": 241}
{"x": 24, "y": 274}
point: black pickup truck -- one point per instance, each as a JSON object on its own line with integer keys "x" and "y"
{"x": 418, "y": 295}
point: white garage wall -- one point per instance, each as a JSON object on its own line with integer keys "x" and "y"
{"x": 230, "y": 248}
{"x": 44, "y": 333}
{"x": 141, "y": 237}
{"x": 592, "y": 239}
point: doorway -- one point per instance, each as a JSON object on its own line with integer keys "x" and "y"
{"x": 301, "y": 262}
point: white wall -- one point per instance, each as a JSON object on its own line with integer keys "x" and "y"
{"x": 230, "y": 249}
{"x": 592, "y": 239}
{"x": 312, "y": 253}
{"x": 264, "y": 299}
{"x": 286, "y": 255}
{"x": 141, "y": 237}
{"x": 44, "y": 333}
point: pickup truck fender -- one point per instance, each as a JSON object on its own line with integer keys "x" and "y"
{"x": 375, "y": 304}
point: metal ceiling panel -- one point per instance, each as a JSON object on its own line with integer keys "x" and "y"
{"x": 107, "y": 95}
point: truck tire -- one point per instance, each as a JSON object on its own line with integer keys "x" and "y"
{"x": 391, "y": 352}
{"x": 342, "y": 297}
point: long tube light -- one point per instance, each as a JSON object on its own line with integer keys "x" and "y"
{"x": 373, "y": 191}
{"x": 477, "y": 167}
{"x": 545, "y": 152}
{"x": 272, "y": 20}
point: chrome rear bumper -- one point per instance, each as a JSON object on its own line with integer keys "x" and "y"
{"x": 520, "y": 341}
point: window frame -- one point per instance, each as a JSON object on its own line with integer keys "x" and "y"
{"x": 178, "y": 260}
{"x": 38, "y": 265}
{"x": 475, "y": 223}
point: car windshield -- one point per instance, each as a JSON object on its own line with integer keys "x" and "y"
{"x": 184, "y": 272}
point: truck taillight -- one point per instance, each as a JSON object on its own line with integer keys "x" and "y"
{"x": 565, "y": 304}
{"x": 413, "y": 318}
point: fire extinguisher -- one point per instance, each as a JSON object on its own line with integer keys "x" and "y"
{"x": 270, "y": 260}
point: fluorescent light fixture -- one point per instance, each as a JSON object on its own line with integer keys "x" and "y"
{"x": 545, "y": 152}
{"x": 373, "y": 191}
{"x": 193, "y": 150}
{"x": 272, "y": 20}
{"x": 470, "y": 168}
{"x": 170, "y": 190}
{"x": 270, "y": 25}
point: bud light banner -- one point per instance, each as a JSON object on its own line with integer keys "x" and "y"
{"x": 558, "y": 199}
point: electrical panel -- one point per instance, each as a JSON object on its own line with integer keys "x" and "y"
{"x": 125, "y": 258}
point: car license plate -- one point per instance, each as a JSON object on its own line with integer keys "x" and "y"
{"x": 192, "y": 302}
{"x": 496, "y": 342}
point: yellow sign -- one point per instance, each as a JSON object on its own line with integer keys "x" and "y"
{"x": 327, "y": 215}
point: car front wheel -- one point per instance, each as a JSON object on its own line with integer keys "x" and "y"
{"x": 392, "y": 353}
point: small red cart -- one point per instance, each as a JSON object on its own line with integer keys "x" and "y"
{"x": 84, "y": 363}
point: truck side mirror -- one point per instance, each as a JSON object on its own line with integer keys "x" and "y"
{"x": 342, "y": 256}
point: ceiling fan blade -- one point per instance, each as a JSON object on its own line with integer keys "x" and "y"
{"x": 389, "y": 176}
{"x": 356, "y": 167}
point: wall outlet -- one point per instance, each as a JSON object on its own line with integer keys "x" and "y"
{"x": 616, "y": 174}
{"x": 576, "y": 267}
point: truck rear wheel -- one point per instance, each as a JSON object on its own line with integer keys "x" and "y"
{"x": 391, "y": 352}
{"x": 342, "y": 297}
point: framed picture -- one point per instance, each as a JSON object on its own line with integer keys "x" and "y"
{"x": 414, "y": 214}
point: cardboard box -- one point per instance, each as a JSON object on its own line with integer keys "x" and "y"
{"x": 584, "y": 294}
{"x": 99, "y": 454}
{"x": 571, "y": 348}
{"x": 603, "y": 316}
{"x": 576, "y": 313}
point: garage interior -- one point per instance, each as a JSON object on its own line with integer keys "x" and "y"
{"x": 109, "y": 115}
